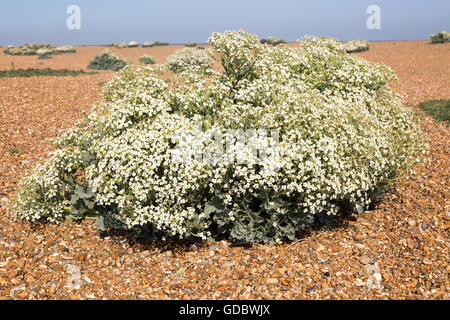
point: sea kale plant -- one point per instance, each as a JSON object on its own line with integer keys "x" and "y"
{"x": 107, "y": 61}
{"x": 275, "y": 41}
{"x": 146, "y": 59}
{"x": 440, "y": 37}
{"x": 357, "y": 45}
{"x": 187, "y": 57}
{"x": 309, "y": 131}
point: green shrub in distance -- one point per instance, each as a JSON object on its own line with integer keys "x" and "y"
{"x": 191, "y": 44}
{"x": 45, "y": 56}
{"x": 357, "y": 45}
{"x": 186, "y": 57}
{"x": 107, "y": 61}
{"x": 160, "y": 44}
{"x": 146, "y": 59}
{"x": 147, "y": 44}
{"x": 29, "y": 52}
{"x": 44, "y": 53}
{"x": 133, "y": 44}
{"x": 41, "y": 72}
{"x": 119, "y": 45}
{"x": 440, "y": 37}
{"x": 275, "y": 41}
{"x": 302, "y": 145}
{"x": 438, "y": 109}
{"x": 64, "y": 49}
{"x": 13, "y": 51}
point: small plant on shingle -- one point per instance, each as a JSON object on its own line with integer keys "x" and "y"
{"x": 108, "y": 61}
{"x": 119, "y": 45}
{"x": 13, "y": 51}
{"x": 357, "y": 45}
{"x": 440, "y": 37}
{"x": 160, "y": 44}
{"x": 146, "y": 59}
{"x": 133, "y": 44}
{"x": 187, "y": 57}
{"x": 191, "y": 44}
{"x": 29, "y": 52}
{"x": 44, "y": 53}
{"x": 438, "y": 109}
{"x": 275, "y": 41}
{"x": 147, "y": 44}
{"x": 45, "y": 56}
{"x": 64, "y": 49}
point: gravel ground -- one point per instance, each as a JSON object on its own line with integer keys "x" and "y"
{"x": 397, "y": 251}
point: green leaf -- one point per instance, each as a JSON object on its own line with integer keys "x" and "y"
{"x": 101, "y": 224}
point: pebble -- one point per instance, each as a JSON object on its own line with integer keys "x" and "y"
{"x": 358, "y": 237}
{"x": 365, "y": 260}
{"x": 359, "y": 283}
{"x": 310, "y": 289}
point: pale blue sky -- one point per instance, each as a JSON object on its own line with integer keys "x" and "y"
{"x": 179, "y": 21}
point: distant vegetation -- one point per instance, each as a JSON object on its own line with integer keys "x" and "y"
{"x": 191, "y": 44}
{"x": 187, "y": 57}
{"x": 273, "y": 41}
{"x": 108, "y": 61}
{"x": 357, "y": 45}
{"x": 133, "y": 44}
{"x": 43, "y": 50}
{"x": 440, "y": 37}
{"x": 119, "y": 45}
{"x": 41, "y": 72}
{"x": 147, "y": 44}
{"x": 160, "y": 44}
{"x": 438, "y": 109}
{"x": 146, "y": 59}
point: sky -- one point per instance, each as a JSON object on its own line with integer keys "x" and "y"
{"x": 179, "y": 21}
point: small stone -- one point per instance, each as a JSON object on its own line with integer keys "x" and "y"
{"x": 320, "y": 260}
{"x": 427, "y": 261}
{"x": 310, "y": 289}
{"x": 411, "y": 222}
{"x": 364, "y": 260}
{"x": 4, "y": 202}
{"x": 272, "y": 281}
{"x": 358, "y": 283}
{"x": 377, "y": 277}
{"x": 358, "y": 237}
{"x": 13, "y": 273}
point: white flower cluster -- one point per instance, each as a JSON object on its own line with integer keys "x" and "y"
{"x": 342, "y": 134}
